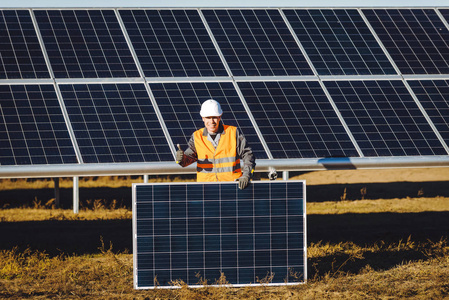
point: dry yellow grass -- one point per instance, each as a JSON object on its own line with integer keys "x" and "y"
{"x": 375, "y": 176}
{"x": 43, "y": 214}
{"x": 407, "y": 205}
{"x": 84, "y": 182}
{"x": 108, "y": 275}
{"x": 344, "y": 269}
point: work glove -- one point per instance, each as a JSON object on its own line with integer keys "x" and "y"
{"x": 179, "y": 154}
{"x": 243, "y": 182}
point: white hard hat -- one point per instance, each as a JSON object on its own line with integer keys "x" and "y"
{"x": 211, "y": 108}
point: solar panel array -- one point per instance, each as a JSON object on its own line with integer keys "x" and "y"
{"x": 195, "y": 232}
{"x": 125, "y": 85}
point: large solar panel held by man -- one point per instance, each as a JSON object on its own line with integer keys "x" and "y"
{"x": 216, "y": 233}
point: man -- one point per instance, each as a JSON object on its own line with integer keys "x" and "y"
{"x": 221, "y": 151}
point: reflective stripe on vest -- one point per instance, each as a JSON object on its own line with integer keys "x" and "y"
{"x": 219, "y": 164}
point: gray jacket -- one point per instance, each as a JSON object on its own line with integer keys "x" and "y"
{"x": 244, "y": 151}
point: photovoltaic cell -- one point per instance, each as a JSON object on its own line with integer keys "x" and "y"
{"x": 434, "y": 97}
{"x": 338, "y": 42}
{"x": 256, "y": 42}
{"x": 417, "y": 39}
{"x": 85, "y": 44}
{"x": 180, "y": 105}
{"x": 32, "y": 127}
{"x": 172, "y": 43}
{"x": 115, "y": 123}
{"x": 189, "y": 231}
{"x": 21, "y": 55}
{"x": 297, "y": 120}
{"x": 445, "y": 13}
{"x": 384, "y": 119}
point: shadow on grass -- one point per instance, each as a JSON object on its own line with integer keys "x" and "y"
{"x": 68, "y": 237}
{"x": 315, "y": 193}
{"x": 84, "y": 237}
{"x": 368, "y": 230}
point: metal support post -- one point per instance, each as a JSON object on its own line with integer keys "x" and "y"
{"x": 145, "y": 178}
{"x": 76, "y": 198}
{"x": 57, "y": 198}
{"x": 285, "y": 175}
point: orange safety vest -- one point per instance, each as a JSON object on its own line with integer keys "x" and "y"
{"x": 221, "y": 164}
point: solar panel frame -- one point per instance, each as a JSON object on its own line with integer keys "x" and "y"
{"x": 32, "y": 127}
{"x": 115, "y": 122}
{"x": 85, "y": 43}
{"x": 251, "y": 49}
{"x": 180, "y": 229}
{"x": 440, "y": 15}
{"x": 388, "y": 122}
{"x": 20, "y": 51}
{"x": 297, "y": 119}
{"x": 176, "y": 43}
{"x": 180, "y": 103}
{"x": 433, "y": 95}
{"x": 338, "y": 42}
{"x": 410, "y": 36}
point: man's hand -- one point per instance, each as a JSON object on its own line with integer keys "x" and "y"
{"x": 179, "y": 154}
{"x": 243, "y": 182}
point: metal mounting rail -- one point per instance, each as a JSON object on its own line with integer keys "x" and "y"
{"x": 263, "y": 165}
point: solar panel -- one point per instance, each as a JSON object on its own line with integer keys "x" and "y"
{"x": 20, "y": 52}
{"x": 172, "y": 43}
{"x": 445, "y": 13}
{"x": 85, "y": 44}
{"x": 384, "y": 119}
{"x": 32, "y": 127}
{"x": 194, "y": 231}
{"x": 434, "y": 97}
{"x": 115, "y": 123}
{"x": 297, "y": 120}
{"x": 256, "y": 42}
{"x": 417, "y": 39}
{"x": 338, "y": 42}
{"x": 299, "y": 83}
{"x": 180, "y": 105}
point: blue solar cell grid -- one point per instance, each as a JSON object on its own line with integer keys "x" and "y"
{"x": 115, "y": 123}
{"x": 32, "y": 127}
{"x": 338, "y": 42}
{"x": 256, "y": 43}
{"x": 434, "y": 97}
{"x": 172, "y": 43}
{"x": 21, "y": 55}
{"x": 417, "y": 39}
{"x": 193, "y": 231}
{"x": 297, "y": 120}
{"x": 180, "y": 105}
{"x": 384, "y": 119}
{"x": 85, "y": 44}
{"x": 445, "y": 13}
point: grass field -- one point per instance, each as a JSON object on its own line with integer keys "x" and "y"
{"x": 373, "y": 234}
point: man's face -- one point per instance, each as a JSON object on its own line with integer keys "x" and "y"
{"x": 211, "y": 123}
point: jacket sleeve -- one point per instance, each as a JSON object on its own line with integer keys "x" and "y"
{"x": 190, "y": 155}
{"x": 246, "y": 155}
